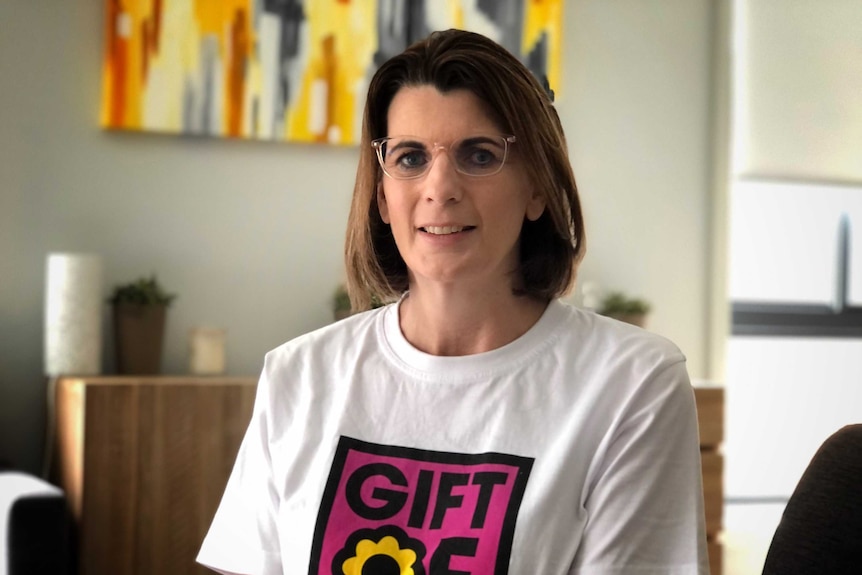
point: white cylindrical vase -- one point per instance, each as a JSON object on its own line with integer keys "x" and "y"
{"x": 73, "y": 314}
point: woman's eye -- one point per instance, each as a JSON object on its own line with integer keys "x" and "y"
{"x": 411, "y": 159}
{"x": 483, "y": 157}
{"x": 479, "y": 156}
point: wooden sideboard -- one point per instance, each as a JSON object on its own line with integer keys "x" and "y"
{"x": 710, "y": 419}
{"x": 144, "y": 462}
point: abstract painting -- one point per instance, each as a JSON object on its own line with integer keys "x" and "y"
{"x": 286, "y": 70}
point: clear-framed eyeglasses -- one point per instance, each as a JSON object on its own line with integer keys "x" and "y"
{"x": 410, "y": 157}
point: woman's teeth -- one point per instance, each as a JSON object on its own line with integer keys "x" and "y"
{"x": 443, "y": 230}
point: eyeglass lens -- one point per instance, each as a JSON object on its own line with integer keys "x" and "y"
{"x": 406, "y": 157}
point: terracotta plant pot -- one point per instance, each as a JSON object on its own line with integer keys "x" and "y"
{"x": 138, "y": 335}
{"x": 638, "y": 319}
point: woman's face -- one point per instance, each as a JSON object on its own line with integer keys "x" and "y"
{"x": 451, "y": 227}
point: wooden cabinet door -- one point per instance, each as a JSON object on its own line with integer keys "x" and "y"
{"x": 144, "y": 462}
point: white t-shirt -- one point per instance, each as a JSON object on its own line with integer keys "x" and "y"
{"x": 573, "y": 449}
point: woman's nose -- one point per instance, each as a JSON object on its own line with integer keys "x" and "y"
{"x": 443, "y": 183}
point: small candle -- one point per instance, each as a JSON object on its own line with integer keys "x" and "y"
{"x": 207, "y": 351}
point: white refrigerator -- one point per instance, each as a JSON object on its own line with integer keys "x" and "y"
{"x": 794, "y": 358}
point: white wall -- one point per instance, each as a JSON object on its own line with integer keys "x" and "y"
{"x": 250, "y": 234}
{"x": 637, "y": 115}
{"x": 797, "y": 164}
{"x": 799, "y": 80}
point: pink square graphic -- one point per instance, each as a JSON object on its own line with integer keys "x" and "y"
{"x": 391, "y": 509}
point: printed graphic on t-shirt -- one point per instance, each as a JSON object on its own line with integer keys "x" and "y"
{"x": 401, "y": 511}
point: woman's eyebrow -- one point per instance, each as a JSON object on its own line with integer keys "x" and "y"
{"x": 409, "y": 144}
{"x": 478, "y": 139}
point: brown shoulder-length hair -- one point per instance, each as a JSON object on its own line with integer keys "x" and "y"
{"x": 551, "y": 247}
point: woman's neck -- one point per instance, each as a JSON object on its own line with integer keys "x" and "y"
{"x": 448, "y": 322}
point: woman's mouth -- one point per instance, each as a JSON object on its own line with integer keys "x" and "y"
{"x": 445, "y": 230}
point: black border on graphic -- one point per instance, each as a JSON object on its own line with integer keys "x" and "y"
{"x": 523, "y": 465}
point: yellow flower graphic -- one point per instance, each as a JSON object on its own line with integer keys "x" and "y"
{"x": 385, "y": 551}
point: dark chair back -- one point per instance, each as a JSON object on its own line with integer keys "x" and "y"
{"x": 821, "y": 528}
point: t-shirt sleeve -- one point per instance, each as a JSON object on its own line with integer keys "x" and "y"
{"x": 243, "y": 538}
{"x": 644, "y": 495}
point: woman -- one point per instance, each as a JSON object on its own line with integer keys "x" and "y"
{"x": 477, "y": 424}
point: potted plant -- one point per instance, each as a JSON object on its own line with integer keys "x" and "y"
{"x": 139, "y": 315}
{"x": 341, "y": 303}
{"x": 624, "y": 308}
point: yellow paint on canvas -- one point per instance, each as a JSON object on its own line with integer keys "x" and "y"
{"x": 545, "y": 16}
{"x": 141, "y": 67}
{"x": 177, "y": 58}
{"x": 446, "y": 14}
{"x": 457, "y": 14}
{"x": 347, "y": 29}
{"x": 215, "y": 17}
{"x": 148, "y": 87}
{"x": 129, "y": 25}
{"x": 220, "y": 19}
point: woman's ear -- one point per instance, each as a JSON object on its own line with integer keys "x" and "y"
{"x": 535, "y": 207}
{"x": 382, "y": 206}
